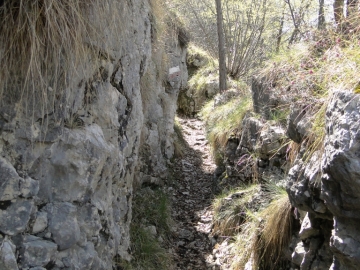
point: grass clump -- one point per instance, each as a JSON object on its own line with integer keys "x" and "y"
{"x": 265, "y": 234}
{"x": 224, "y": 120}
{"x": 43, "y": 41}
{"x": 315, "y": 140}
{"x": 150, "y": 208}
{"x": 230, "y": 209}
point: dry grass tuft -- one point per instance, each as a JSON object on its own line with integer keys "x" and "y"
{"x": 230, "y": 210}
{"x": 42, "y": 42}
{"x": 265, "y": 234}
{"x": 275, "y": 234}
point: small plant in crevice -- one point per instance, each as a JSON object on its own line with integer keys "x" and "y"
{"x": 280, "y": 114}
{"x": 150, "y": 208}
{"x": 74, "y": 121}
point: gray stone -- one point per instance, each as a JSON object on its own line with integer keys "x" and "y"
{"x": 89, "y": 221}
{"x": 78, "y": 257}
{"x": 250, "y": 134}
{"x": 7, "y": 256}
{"x": 310, "y": 253}
{"x": 36, "y": 252}
{"x": 151, "y": 230}
{"x": 63, "y": 224}
{"x": 307, "y": 230}
{"x": 15, "y": 217}
{"x": 9, "y": 181}
{"x": 298, "y": 123}
{"x": 298, "y": 254}
{"x": 41, "y": 222}
{"x": 271, "y": 141}
{"x": 345, "y": 243}
{"x": 186, "y": 234}
{"x": 29, "y": 187}
{"x": 86, "y": 145}
{"x": 340, "y": 187}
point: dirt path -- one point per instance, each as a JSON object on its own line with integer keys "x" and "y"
{"x": 192, "y": 201}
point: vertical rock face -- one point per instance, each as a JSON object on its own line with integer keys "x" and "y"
{"x": 340, "y": 187}
{"x": 323, "y": 184}
{"x": 327, "y": 188}
{"x": 67, "y": 177}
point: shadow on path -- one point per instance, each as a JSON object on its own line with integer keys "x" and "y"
{"x": 192, "y": 197}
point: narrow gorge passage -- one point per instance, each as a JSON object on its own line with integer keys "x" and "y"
{"x": 192, "y": 200}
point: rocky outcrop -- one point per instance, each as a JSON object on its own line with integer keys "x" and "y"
{"x": 67, "y": 172}
{"x": 340, "y": 180}
{"x": 322, "y": 182}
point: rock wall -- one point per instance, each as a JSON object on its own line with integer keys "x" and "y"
{"x": 322, "y": 185}
{"x": 67, "y": 173}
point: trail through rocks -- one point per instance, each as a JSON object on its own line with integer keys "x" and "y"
{"x": 192, "y": 198}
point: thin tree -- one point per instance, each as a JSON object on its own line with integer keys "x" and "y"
{"x": 338, "y": 10}
{"x": 321, "y": 18}
{"x": 221, "y": 38}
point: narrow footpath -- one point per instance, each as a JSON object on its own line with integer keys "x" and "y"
{"x": 192, "y": 198}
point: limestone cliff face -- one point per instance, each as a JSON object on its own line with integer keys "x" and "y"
{"x": 67, "y": 175}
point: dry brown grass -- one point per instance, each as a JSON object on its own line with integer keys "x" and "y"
{"x": 230, "y": 210}
{"x": 265, "y": 234}
{"x": 42, "y": 42}
{"x": 275, "y": 235}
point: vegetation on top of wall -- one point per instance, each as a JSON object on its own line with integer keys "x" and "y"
{"x": 224, "y": 120}
{"x": 42, "y": 43}
{"x": 260, "y": 221}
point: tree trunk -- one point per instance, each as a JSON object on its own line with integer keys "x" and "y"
{"x": 338, "y": 10}
{"x": 280, "y": 33}
{"x": 222, "y": 58}
{"x": 321, "y": 18}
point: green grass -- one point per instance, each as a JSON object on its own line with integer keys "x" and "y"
{"x": 150, "y": 208}
{"x": 280, "y": 115}
{"x": 224, "y": 120}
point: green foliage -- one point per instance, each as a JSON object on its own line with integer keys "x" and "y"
{"x": 150, "y": 207}
{"x": 279, "y": 115}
